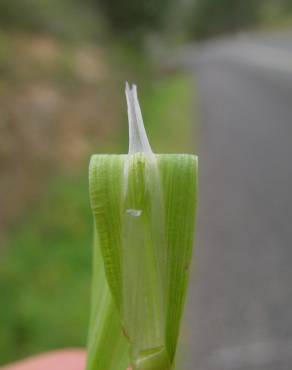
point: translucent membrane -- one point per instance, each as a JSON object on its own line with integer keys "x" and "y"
{"x": 143, "y": 247}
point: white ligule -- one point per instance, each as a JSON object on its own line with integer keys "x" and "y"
{"x": 138, "y": 141}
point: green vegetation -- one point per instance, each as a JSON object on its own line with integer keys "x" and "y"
{"x": 134, "y": 18}
{"x": 171, "y": 130}
{"x": 46, "y": 261}
{"x": 143, "y": 246}
{"x": 210, "y": 18}
{"x": 62, "y": 94}
{"x": 45, "y": 274}
{"x": 67, "y": 92}
{"x": 77, "y": 19}
{"x": 69, "y": 19}
{"x": 276, "y": 15}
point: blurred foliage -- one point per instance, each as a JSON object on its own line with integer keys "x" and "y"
{"x": 70, "y": 19}
{"x": 212, "y": 17}
{"x": 209, "y": 18}
{"x": 133, "y": 18}
{"x": 284, "y": 4}
{"x": 276, "y": 14}
{"x": 45, "y": 274}
{"x": 170, "y": 130}
{"x": 45, "y": 270}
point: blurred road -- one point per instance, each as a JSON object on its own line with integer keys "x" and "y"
{"x": 241, "y": 316}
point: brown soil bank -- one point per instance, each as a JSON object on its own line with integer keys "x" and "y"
{"x": 56, "y": 100}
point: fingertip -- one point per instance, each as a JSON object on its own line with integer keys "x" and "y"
{"x": 72, "y": 359}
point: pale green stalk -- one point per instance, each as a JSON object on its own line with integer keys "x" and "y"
{"x": 144, "y": 209}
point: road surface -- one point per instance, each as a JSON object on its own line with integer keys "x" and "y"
{"x": 240, "y": 309}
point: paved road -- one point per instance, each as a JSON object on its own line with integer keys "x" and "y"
{"x": 241, "y": 300}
